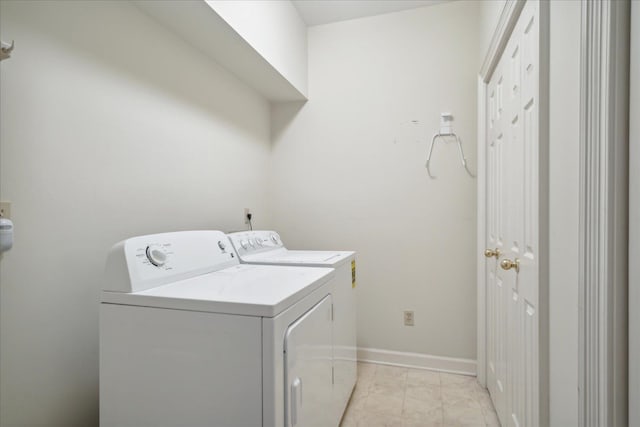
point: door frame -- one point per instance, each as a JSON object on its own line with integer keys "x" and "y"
{"x": 506, "y": 23}
{"x": 604, "y": 202}
{"x": 634, "y": 219}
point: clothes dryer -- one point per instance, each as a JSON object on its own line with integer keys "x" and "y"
{"x": 263, "y": 247}
{"x": 191, "y": 337}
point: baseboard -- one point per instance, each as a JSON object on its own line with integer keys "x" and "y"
{"x": 417, "y": 360}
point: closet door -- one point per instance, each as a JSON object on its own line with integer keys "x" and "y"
{"x": 512, "y": 229}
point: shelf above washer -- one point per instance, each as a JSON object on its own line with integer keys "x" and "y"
{"x": 199, "y": 25}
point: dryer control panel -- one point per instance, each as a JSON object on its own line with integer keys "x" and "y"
{"x": 255, "y": 241}
{"x": 146, "y": 262}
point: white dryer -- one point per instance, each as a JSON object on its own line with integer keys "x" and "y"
{"x": 262, "y": 247}
{"x": 190, "y": 337}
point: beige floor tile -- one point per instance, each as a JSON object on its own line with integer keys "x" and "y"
{"x": 384, "y": 404}
{"x": 485, "y": 401}
{"x": 455, "y": 415}
{"x": 366, "y": 369}
{"x": 357, "y": 403}
{"x": 386, "y": 371}
{"x": 379, "y": 420}
{"x": 408, "y": 422}
{"x": 391, "y": 386}
{"x": 491, "y": 419}
{"x": 361, "y": 388}
{"x": 350, "y": 418}
{"x": 389, "y": 396}
{"x": 460, "y": 397}
{"x": 447, "y": 379}
{"x": 428, "y": 392}
{"x": 420, "y": 410}
{"x": 422, "y": 377}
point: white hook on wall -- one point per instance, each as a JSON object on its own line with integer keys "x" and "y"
{"x": 6, "y": 49}
{"x": 446, "y": 129}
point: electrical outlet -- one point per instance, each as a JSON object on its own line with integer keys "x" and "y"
{"x": 408, "y": 318}
{"x": 5, "y": 210}
{"x": 247, "y": 211}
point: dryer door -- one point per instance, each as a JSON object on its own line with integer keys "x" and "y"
{"x": 308, "y": 368}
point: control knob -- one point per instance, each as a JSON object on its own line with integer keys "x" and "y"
{"x": 244, "y": 244}
{"x": 221, "y": 245}
{"x": 156, "y": 255}
{"x": 274, "y": 238}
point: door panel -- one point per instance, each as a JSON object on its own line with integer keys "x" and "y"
{"x": 308, "y": 368}
{"x": 512, "y": 225}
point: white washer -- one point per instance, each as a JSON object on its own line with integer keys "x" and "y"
{"x": 190, "y": 337}
{"x": 263, "y": 247}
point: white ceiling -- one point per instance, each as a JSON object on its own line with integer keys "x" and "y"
{"x": 316, "y": 12}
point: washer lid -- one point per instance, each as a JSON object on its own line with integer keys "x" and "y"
{"x": 252, "y": 290}
{"x": 306, "y": 258}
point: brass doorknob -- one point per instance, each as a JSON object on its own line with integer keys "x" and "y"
{"x": 489, "y": 253}
{"x": 507, "y": 264}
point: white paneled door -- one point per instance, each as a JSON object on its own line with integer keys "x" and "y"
{"x": 512, "y": 225}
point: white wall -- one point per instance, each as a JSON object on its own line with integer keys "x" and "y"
{"x": 634, "y": 221}
{"x": 275, "y": 30}
{"x": 348, "y": 171}
{"x": 564, "y": 168}
{"x": 104, "y": 135}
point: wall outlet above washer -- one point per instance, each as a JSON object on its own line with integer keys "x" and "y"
{"x": 5, "y": 210}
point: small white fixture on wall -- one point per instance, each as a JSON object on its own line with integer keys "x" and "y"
{"x": 6, "y": 234}
{"x": 446, "y": 130}
{"x": 6, "y": 227}
{"x": 5, "y": 50}
{"x": 446, "y": 123}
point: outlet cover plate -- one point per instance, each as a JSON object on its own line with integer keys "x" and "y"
{"x": 5, "y": 210}
{"x": 408, "y": 318}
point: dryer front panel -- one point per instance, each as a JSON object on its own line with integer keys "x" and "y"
{"x": 308, "y": 368}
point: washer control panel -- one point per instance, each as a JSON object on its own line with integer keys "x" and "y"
{"x": 144, "y": 262}
{"x": 255, "y": 241}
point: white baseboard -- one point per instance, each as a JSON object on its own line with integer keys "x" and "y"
{"x": 417, "y": 360}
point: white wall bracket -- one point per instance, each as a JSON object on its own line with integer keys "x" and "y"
{"x": 6, "y": 49}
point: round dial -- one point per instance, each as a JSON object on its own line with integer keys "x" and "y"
{"x": 156, "y": 255}
{"x": 252, "y": 242}
{"x": 221, "y": 244}
{"x": 244, "y": 244}
{"x": 259, "y": 241}
{"x": 274, "y": 238}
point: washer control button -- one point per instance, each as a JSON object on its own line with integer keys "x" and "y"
{"x": 221, "y": 245}
{"x": 252, "y": 242}
{"x": 244, "y": 244}
{"x": 156, "y": 255}
{"x": 274, "y": 238}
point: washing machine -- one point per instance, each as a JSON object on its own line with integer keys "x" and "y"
{"x": 263, "y": 247}
{"x": 191, "y": 337}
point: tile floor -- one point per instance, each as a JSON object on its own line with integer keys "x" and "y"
{"x": 401, "y": 397}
